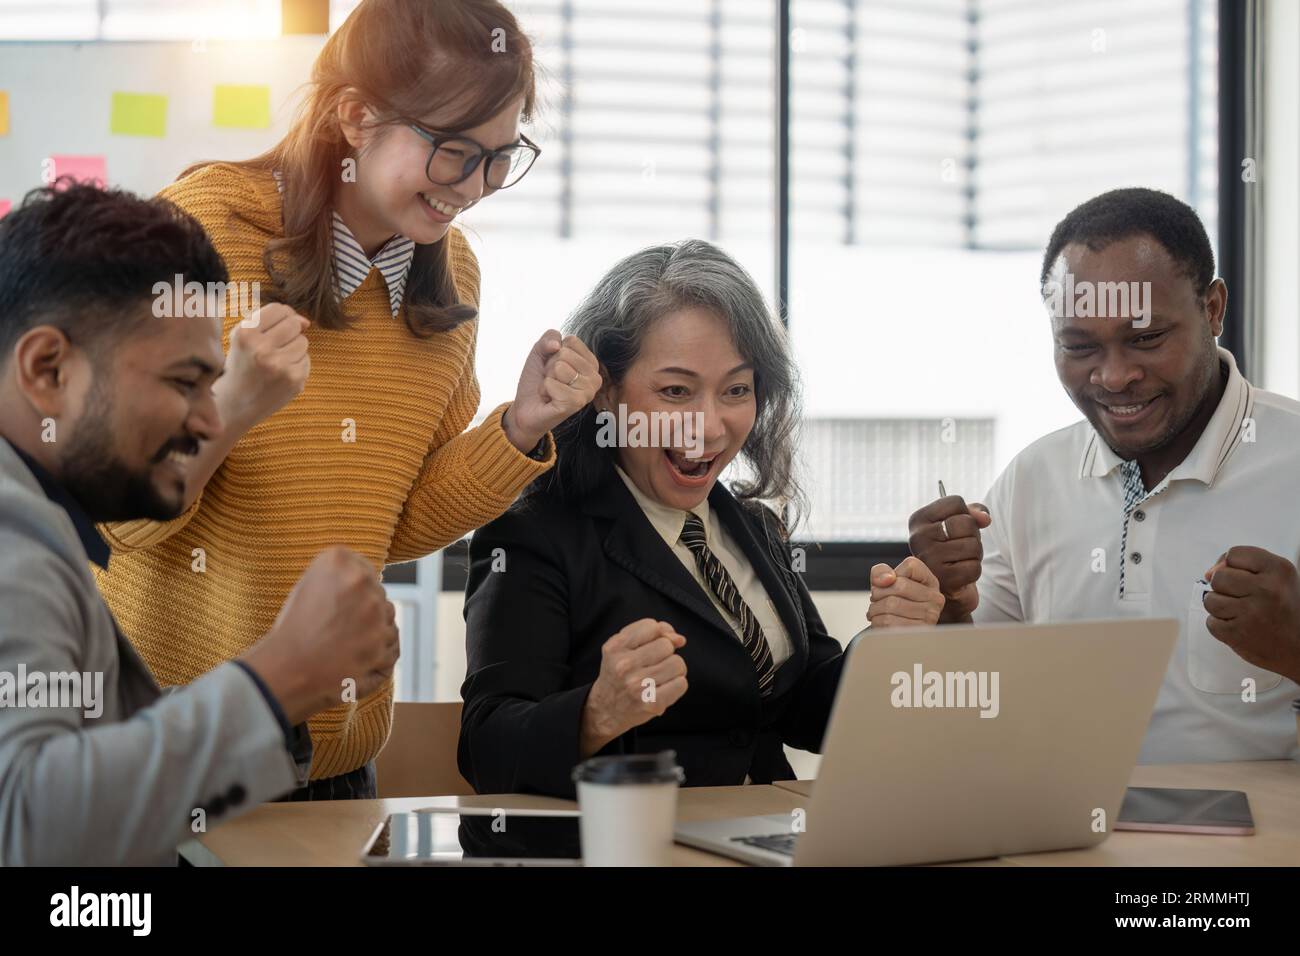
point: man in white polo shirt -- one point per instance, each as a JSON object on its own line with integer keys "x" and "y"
{"x": 1183, "y": 473}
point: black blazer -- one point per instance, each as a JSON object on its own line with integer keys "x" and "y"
{"x": 573, "y": 576}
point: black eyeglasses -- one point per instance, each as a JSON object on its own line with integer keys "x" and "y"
{"x": 454, "y": 159}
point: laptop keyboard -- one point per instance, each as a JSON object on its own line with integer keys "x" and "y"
{"x": 777, "y": 843}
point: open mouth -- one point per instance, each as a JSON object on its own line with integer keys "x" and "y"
{"x": 690, "y": 471}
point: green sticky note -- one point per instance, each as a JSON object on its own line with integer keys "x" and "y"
{"x": 139, "y": 114}
{"x": 244, "y": 107}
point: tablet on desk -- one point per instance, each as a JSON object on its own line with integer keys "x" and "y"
{"x": 475, "y": 837}
{"x": 1159, "y": 809}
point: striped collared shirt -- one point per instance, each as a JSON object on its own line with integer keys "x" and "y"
{"x": 352, "y": 265}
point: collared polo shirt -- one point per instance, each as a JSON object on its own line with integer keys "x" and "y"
{"x": 1067, "y": 520}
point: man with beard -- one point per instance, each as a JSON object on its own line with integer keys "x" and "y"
{"x": 102, "y": 408}
{"x": 1176, "y": 498}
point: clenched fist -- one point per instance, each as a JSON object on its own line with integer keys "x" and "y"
{"x": 641, "y": 676}
{"x": 337, "y": 624}
{"x": 945, "y": 535}
{"x": 905, "y": 596}
{"x": 561, "y": 376}
{"x": 1254, "y": 608}
{"x": 266, "y": 368}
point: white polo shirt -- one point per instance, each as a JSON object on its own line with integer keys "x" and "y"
{"x": 1059, "y": 540}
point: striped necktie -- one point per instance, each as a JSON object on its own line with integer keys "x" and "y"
{"x": 721, "y": 584}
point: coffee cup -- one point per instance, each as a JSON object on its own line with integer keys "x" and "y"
{"x": 628, "y": 806}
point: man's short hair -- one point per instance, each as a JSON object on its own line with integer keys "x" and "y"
{"x": 1124, "y": 213}
{"x": 86, "y": 260}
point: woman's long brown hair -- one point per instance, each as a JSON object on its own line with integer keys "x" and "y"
{"x": 404, "y": 59}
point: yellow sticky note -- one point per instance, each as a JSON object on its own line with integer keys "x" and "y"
{"x": 139, "y": 114}
{"x": 244, "y": 107}
{"x": 4, "y": 113}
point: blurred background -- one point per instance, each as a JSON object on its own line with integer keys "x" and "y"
{"x": 889, "y": 170}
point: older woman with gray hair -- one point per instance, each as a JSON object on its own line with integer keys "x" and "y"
{"x": 630, "y": 602}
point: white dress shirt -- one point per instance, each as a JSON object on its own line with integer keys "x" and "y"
{"x": 669, "y": 523}
{"x": 1059, "y": 539}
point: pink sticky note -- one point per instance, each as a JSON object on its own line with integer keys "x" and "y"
{"x": 81, "y": 168}
{"x": 5, "y": 206}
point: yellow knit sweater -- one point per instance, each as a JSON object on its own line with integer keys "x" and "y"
{"x": 411, "y": 482}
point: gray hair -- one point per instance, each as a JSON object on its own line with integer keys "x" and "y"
{"x": 613, "y": 320}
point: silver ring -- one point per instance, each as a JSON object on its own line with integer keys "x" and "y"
{"x": 576, "y": 376}
{"x": 943, "y": 526}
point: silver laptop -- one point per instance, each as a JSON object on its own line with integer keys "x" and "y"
{"x": 966, "y": 742}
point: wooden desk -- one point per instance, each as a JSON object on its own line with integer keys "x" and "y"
{"x": 333, "y": 832}
{"x": 1272, "y": 786}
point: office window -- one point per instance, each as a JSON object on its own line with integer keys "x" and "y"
{"x": 864, "y": 473}
{"x": 1074, "y": 99}
{"x": 138, "y": 19}
{"x": 879, "y": 106}
{"x": 49, "y": 19}
{"x": 934, "y": 145}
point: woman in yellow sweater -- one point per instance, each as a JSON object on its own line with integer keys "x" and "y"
{"x": 345, "y": 403}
